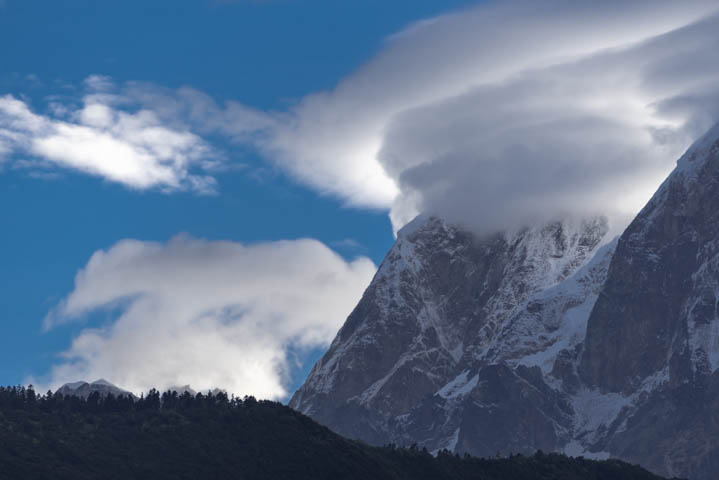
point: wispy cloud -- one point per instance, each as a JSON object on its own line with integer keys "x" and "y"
{"x": 132, "y": 147}
{"x": 348, "y": 244}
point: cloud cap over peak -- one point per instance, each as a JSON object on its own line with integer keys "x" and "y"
{"x": 493, "y": 113}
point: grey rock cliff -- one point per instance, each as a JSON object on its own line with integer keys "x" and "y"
{"x": 654, "y": 331}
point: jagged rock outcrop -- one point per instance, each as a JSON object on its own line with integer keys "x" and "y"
{"x": 551, "y": 337}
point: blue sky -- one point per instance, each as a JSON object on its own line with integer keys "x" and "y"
{"x": 264, "y": 54}
{"x": 199, "y": 191}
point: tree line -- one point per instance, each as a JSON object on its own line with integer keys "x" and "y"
{"x": 174, "y": 435}
{"x": 25, "y": 398}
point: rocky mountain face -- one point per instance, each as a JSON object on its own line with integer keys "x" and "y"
{"x": 653, "y": 334}
{"x": 553, "y": 337}
{"x": 447, "y": 316}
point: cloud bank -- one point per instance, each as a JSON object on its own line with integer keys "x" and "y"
{"x": 208, "y": 314}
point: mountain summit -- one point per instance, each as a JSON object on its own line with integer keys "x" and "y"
{"x": 553, "y": 337}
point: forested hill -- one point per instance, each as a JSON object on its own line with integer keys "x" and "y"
{"x": 204, "y": 436}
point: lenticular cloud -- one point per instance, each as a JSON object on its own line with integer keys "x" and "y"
{"x": 506, "y": 111}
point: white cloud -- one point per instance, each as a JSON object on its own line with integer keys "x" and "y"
{"x": 595, "y": 134}
{"x": 332, "y": 139}
{"x": 99, "y": 83}
{"x": 132, "y": 148}
{"x": 208, "y": 314}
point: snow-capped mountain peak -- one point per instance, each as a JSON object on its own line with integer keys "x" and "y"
{"x": 444, "y": 303}
{"x": 551, "y": 337}
{"x": 84, "y": 389}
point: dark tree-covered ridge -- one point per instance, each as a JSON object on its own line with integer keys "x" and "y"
{"x": 171, "y": 436}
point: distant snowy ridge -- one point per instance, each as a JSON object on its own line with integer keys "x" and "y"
{"x": 85, "y": 389}
{"x": 103, "y": 387}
